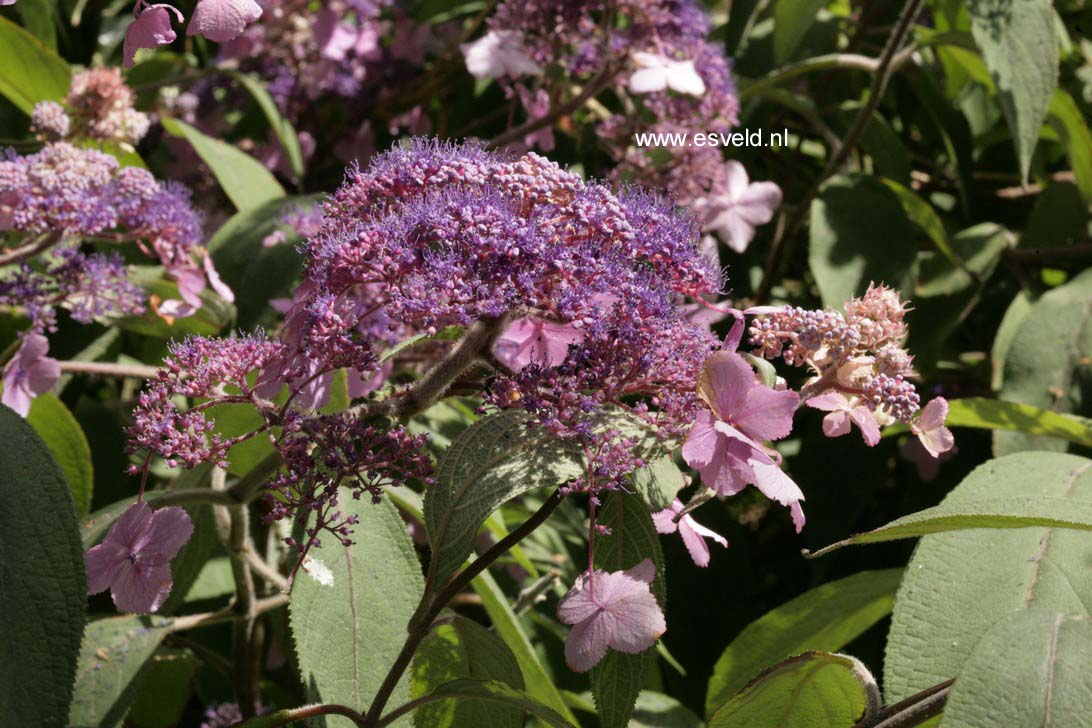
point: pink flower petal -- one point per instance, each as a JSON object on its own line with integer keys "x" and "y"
{"x": 29, "y": 373}
{"x": 151, "y": 28}
{"x": 141, "y": 591}
{"x": 836, "y": 424}
{"x": 866, "y": 423}
{"x": 223, "y": 20}
{"x": 217, "y": 282}
{"x": 103, "y": 562}
{"x": 168, "y": 531}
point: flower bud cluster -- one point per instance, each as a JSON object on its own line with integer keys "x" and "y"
{"x": 858, "y": 353}
{"x": 323, "y": 454}
{"x": 99, "y": 107}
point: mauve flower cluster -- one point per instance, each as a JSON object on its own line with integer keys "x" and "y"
{"x": 215, "y": 370}
{"x": 324, "y": 453}
{"x": 587, "y": 283}
{"x": 53, "y": 199}
{"x": 99, "y": 106}
{"x": 656, "y": 60}
{"x": 91, "y": 286}
{"x": 307, "y": 51}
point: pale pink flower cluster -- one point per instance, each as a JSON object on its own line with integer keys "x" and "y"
{"x": 99, "y": 106}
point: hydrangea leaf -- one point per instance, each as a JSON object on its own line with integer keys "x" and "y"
{"x": 617, "y": 680}
{"x": 164, "y": 688}
{"x": 792, "y": 20}
{"x": 44, "y": 589}
{"x": 1045, "y": 363}
{"x": 115, "y": 650}
{"x": 497, "y": 693}
{"x": 282, "y": 128}
{"x": 258, "y": 273}
{"x": 656, "y": 710}
{"x": 60, "y": 431}
{"x": 493, "y": 460}
{"x": 348, "y": 634}
{"x": 659, "y": 482}
{"x": 825, "y": 618}
{"x": 245, "y": 180}
{"x": 1020, "y": 46}
{"x": 29, "y": 71}
{"x": 812, "y": 689}
{"x": 853, "y": 218}
{"x": 959, "y": 584}
{"x": 461, "y": 649}
{"x": 1069, "y": 122}
{"x": 508, "y": 628}
{"x": 1029, "y": 669}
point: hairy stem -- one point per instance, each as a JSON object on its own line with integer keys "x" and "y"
{"x": 135, "y": 371}
{"x": 227, "y": 614}
{"x": 912, "y": 711}
{"x": 595, "y": 85}
{"x": 40, "y": 245}
{"x": 472, "y": 347}
{"x": 233, "y": 528}
{"x": 851, "y": 61}
{"x": 430, "y": 606}
{"x": 288, "y": 716}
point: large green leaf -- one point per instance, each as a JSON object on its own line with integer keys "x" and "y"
{"x": 792, "y": 19}
{"x": 245, "y": 180}
{"x": 37, "y": 18}
{"x": 62, "y": 433}
{"x": 42, "y": 584}
{"x": 826, "y": 618}
{"x": 115, "y": 651}
{"x": 1031, "y": 669}
{"x": 164, "y": 689}
{"x": 1045, "y": 366}
{"x": 659, "y": 482}
{"x": 977, "y": 252}
{"x": 1014, "y": 317}
{"x": 1020, "y": 46}
{"x": 816, "y": 689}
{"x": 1070, "y": 124}
{"x": 617, "y": 680}
{"x": 859, "y": 233}
{"x": 282, "y": 128}
{"x": 256, "y": 272}
{"x": 996, "y": 414}
{"x": 348, "y": 634}
{"x": 493, "y": 460}
{"x": 960, "y": 584}
{"x": 498, "y": 693}
{"x": 29, "y": 71}
{"x": 508, "y": 628}
{"x": 462, "y": 649}
{"x": 656, "y": 710}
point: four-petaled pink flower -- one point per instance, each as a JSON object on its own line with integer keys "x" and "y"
{"x": 29, "y": 373}
{"x": 223, "y": 20}
{"x": 693, "y": 533}
{"x": 741, "y": 207}
{"x": 530, "y": 340}
{"x": 151, "y": 28}
{"x": 930, "y": 429}
{"x": 724, "y": 444}
{"x": 610, "y": 609}
{"x": 134, "y": 560}
{"x": 843, "y": 411}
{"x": 499, "y": 53}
